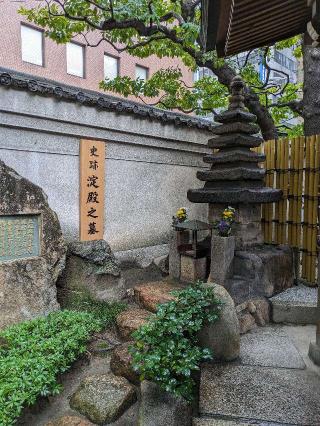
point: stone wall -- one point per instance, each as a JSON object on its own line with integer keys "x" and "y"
{"x": 150, "y": 163}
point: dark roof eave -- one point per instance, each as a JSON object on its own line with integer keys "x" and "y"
{"x": 223, "y": 23}
{"x": 50, "y": 88}
{"x": 210, "y": 20}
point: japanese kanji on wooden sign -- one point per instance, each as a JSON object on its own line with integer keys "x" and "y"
{"x": 92, "y": 164}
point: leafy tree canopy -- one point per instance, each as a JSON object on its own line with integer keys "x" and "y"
{"x": 171, "y": 28}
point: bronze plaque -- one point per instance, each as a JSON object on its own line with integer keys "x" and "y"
{"x": 19, "y": 237}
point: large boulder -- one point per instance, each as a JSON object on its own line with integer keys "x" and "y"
{"x": 32, "y": 250}
{"x": 160, "y": 408}
{"x": 103, "y": 398}
{"x": 91, "y": 269}
{"x": 265, "y": 271}
{"x": 223, "y": 336}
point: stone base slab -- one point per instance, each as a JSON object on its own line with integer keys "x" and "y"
{"x": 297, "y": 305}
{"x": 270, "y": 347}
{"x": 276, "y": 395}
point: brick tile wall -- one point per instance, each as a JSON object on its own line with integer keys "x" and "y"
{"x": 55, "y": 66}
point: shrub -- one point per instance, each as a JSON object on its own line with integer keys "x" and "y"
{"x": 165, "y": 349}
{"x": 34, "y": 352}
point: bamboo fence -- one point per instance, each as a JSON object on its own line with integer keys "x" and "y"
{"x": 293, "y": 165}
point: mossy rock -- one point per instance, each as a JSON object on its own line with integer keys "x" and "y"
{"x": 103, "y": 398}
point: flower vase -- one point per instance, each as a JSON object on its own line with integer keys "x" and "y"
{"x": 222, "y": 255}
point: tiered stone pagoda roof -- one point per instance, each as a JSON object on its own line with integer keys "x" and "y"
{"x": 235, "y": 176}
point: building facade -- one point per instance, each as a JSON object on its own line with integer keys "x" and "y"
{"x": 24, "y": 48}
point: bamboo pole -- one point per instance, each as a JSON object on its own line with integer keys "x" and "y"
{"x": 268, "y": 183}
{"x": 290, "y": 191}
{"x": 311, "y": 142}
{"x": 300, "y": 163}
{"x": 272, "y": 184}
{"x": 281, "y": 171}
{"x": 316, "y": 194}
{"x": 294, "y": 190}
{"x": 306, "y": 209}
{"x": 314, "y": 209}
{"x": 285, "y": 190}
{"x": 278, "y": 185}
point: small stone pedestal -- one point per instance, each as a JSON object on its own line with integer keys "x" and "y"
{"x": 222, "y": 255}
{"x": 193, "y": 269}
{"x": 177, "y": 238}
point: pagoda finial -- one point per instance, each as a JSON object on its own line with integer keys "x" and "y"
{"x": 237, "y": 93}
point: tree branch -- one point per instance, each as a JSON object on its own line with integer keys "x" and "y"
{"x": 295, "y": 106}
{"x": 224, "y": 72}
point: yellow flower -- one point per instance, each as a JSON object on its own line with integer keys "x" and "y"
{"x": 227, "y": 213}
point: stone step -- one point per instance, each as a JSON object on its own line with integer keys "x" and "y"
{"x": 151, "y": 294}
{"x": 297, "y": 305}
{"x": 276, "y": 395}
{"x": 270, "y": 347}
{"x": 130, "y": 320}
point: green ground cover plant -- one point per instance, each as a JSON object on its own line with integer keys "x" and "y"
{"x": 105, "y": 312}
{"x": 166, "y": 349}
{"x": 34, "y": 353}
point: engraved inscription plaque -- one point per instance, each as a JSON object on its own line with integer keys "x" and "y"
{"x": 19, "y": 237}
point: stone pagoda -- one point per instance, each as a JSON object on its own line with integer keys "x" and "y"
{"x": 235, "y": 177}
{"x": 245, "y": 266}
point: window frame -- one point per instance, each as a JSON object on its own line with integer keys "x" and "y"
{"x": 114, "y": 57}
{"x": 147, "y": 71}
{"x": 84, "y": 61}
{"x": 41, "y": 31}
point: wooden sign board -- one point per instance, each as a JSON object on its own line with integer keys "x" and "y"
{"x": 92, "y": 166}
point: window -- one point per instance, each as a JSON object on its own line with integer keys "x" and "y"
{"x": 201, "y": 73}
{"x": 75, "y": 59}
{"x": 111, "y": 67}
{"x": 142, "y": 72}
{"x": 285, "y": 61}
{"x": 278, "y": 78}
{"x": 32, "y": 45}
